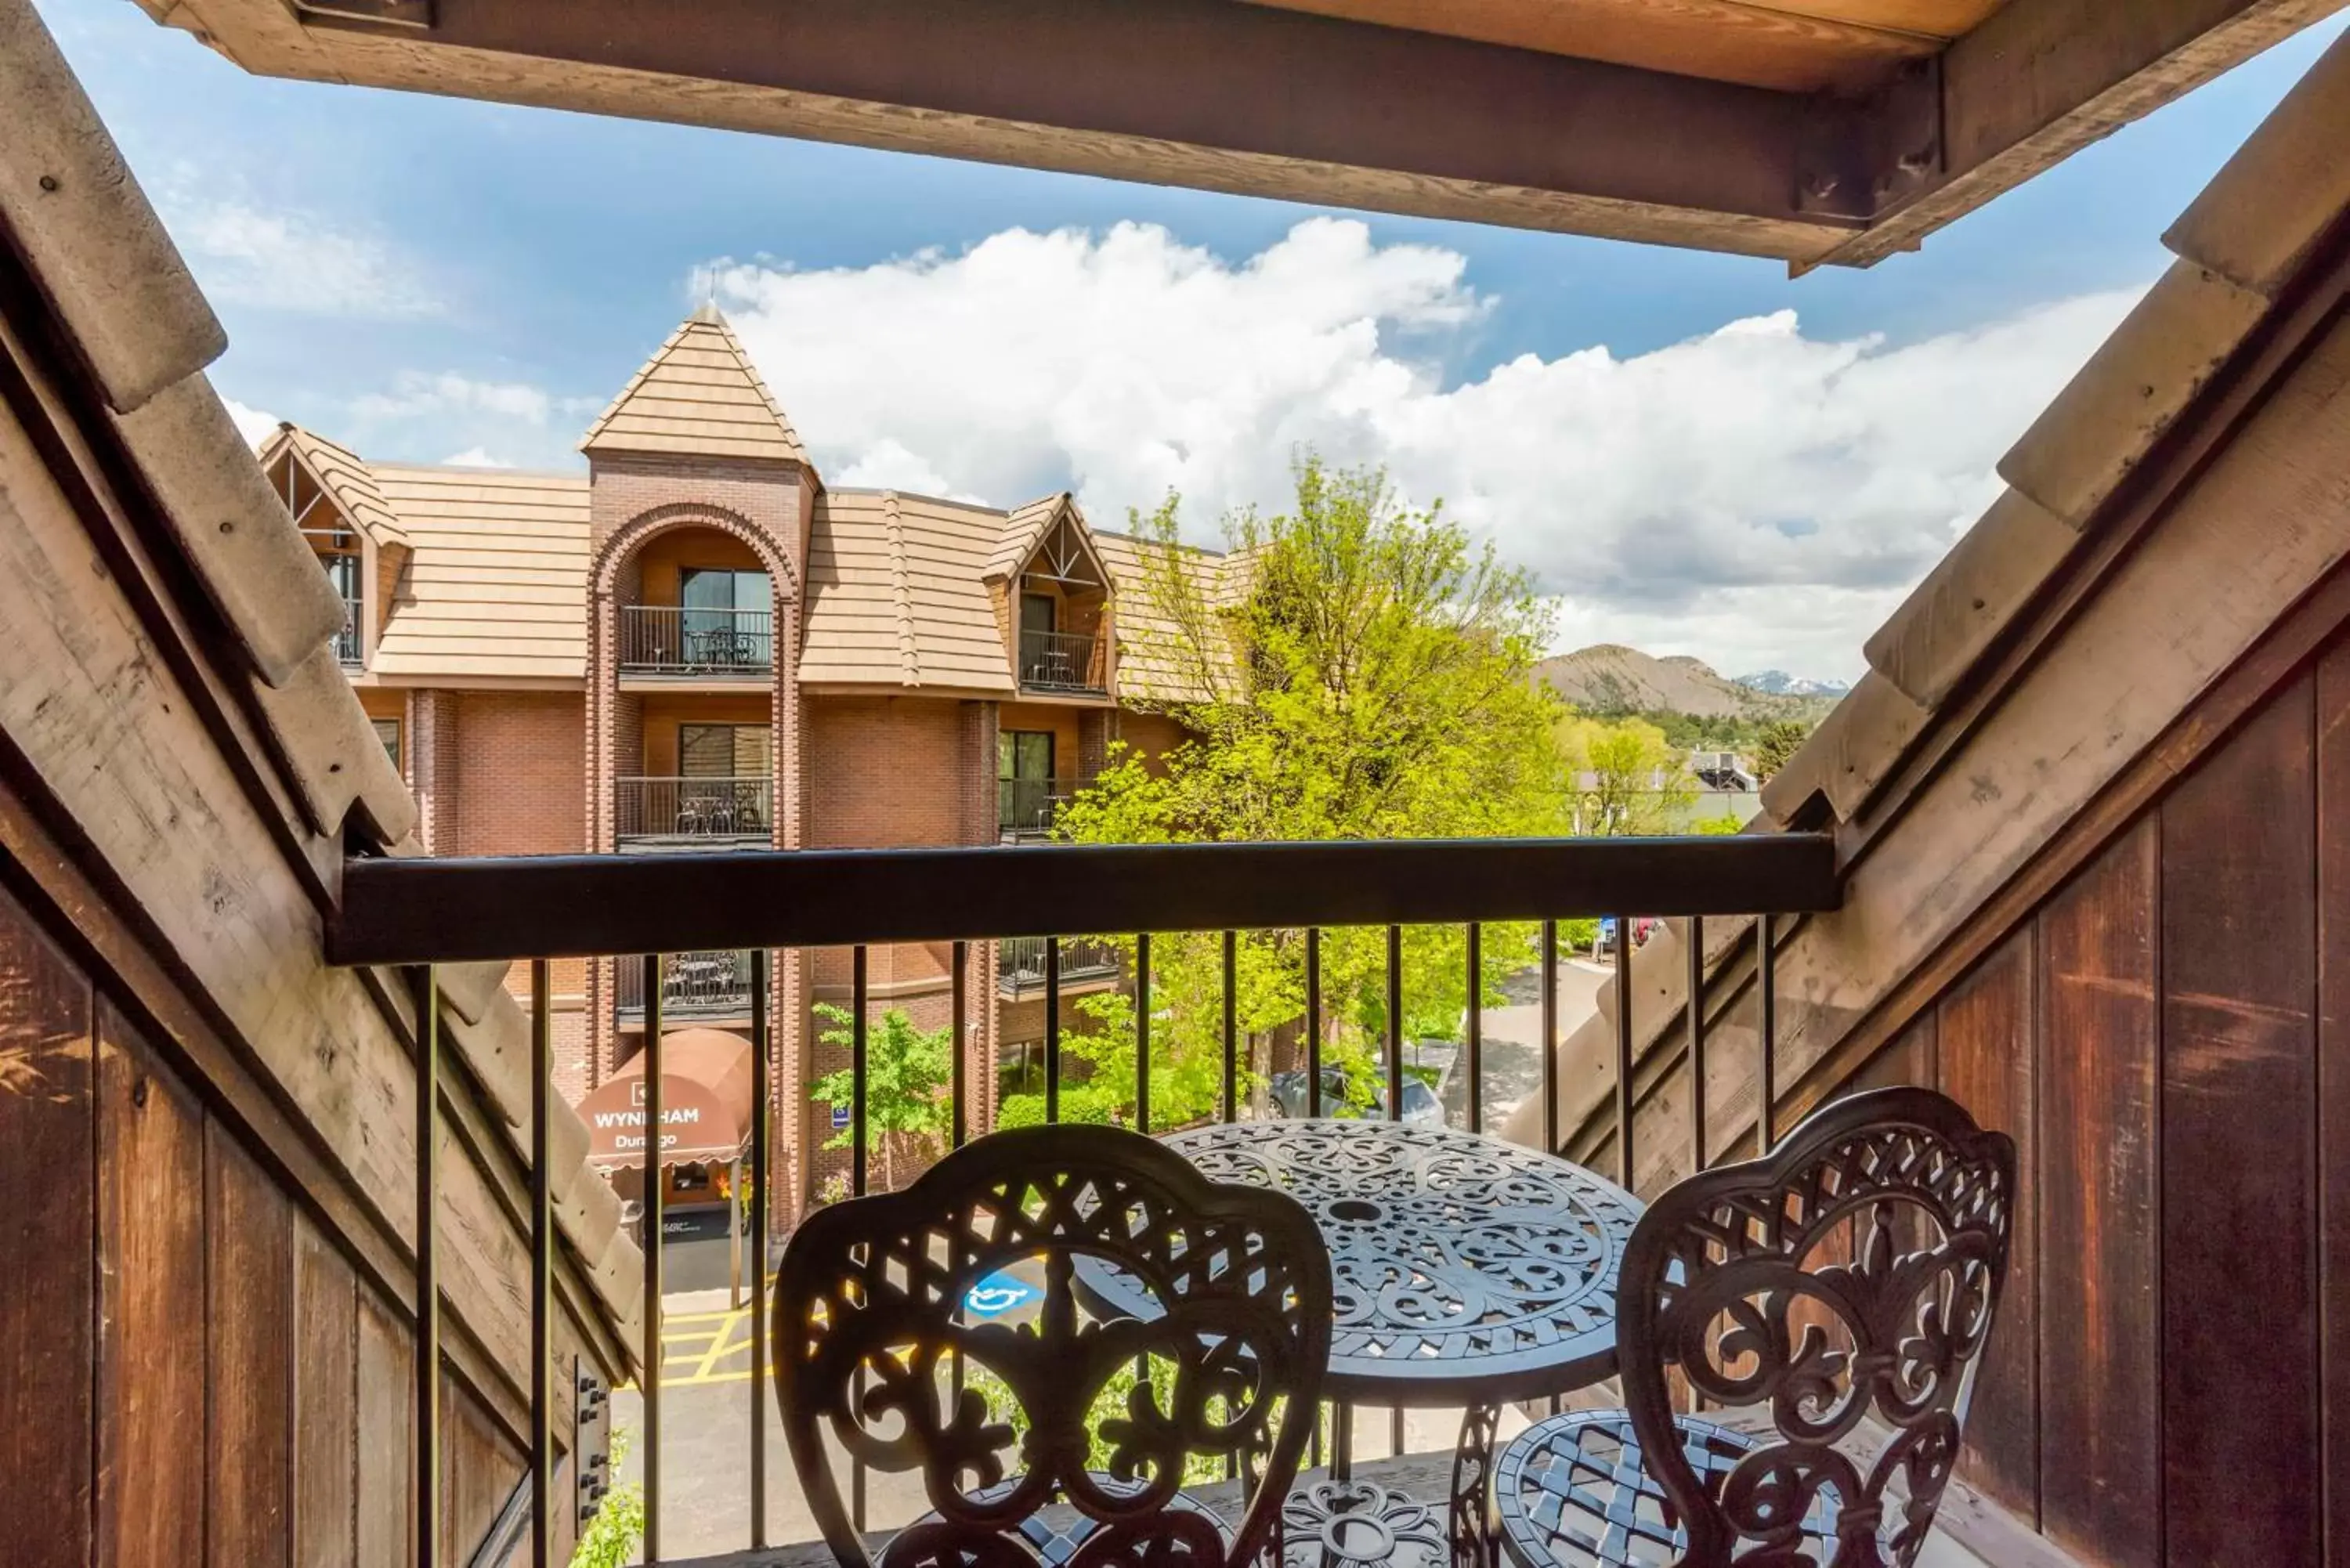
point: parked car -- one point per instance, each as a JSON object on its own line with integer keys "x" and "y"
{"x": 1604, "y": 944}
{"x": 1286, "y": 1092}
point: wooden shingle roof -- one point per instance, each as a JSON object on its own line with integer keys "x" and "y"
{"x": 497, "y": 587}
{"x": 697, "y": 394}
{"x": 344, "y": 476}
{"x": 895, "y": 594}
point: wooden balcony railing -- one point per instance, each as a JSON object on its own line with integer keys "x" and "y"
{"x": 668, "y": 640}
{"x": 1062, "y": 661}
{"x": 691, "y": 812}
{"x": 427, "y": 911}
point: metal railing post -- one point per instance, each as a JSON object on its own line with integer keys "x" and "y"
{"x": 656, "y": 1176}
{"x": 1051, "y": 1029}
{"x": 1231, "y": 1025}
{"x": 1697, "y": 1041}
{"x": 428, "y": 1272}
{"x": 542, "y": 1268}
{"x": 1314, "y": 1022}
{"x": 762, "y": 1109}
{"x": 1624, "y": 1050}
{"x": 1474, "y": 1027}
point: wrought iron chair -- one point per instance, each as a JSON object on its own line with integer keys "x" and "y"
{"x": 1832, "y": 1300}
{"x": 875, "y": 1344}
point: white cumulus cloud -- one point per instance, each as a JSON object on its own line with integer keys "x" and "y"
{"x": 414, "y": 394}
{"x": 1754, "y": 496}
{"x": 254, "y": 425}
{"x": 475, "y": 457}
{"x": 286, "y": 258}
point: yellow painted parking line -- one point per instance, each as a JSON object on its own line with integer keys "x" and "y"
{"x": 718, "y": 1353}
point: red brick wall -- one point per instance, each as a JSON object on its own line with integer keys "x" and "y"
{"x": 520, "y": 788}
{"x": 1152, "y": 734}
{"x": 886, "y": 771}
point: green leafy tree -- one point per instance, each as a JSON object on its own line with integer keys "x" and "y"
{"x": 1627, "y": 778}
{"x": 612, "y": 1536}
{"x": 907, "y": 1074}
{"x": 1360, "y": 670}
{"x": 1777, "y": 742}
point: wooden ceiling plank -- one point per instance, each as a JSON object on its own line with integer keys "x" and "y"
{"x": 1758, "y": 44}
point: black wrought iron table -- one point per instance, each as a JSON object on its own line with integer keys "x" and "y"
{"x": 1466, "y": 1271}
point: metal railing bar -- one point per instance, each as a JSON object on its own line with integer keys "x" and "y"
{"x": 449, "y": 908}
{"x": 761, "y": 1109}
{"x": 1051, "y": 1029}
{"x": 1549, "y": 994}
{"x": 1142, "y": 1031}
{"x": 858, "y": 1068}
{"x": 960, "y": 1091}
{"x": 1231, "y": 1025}
{"x": 655, "y": 1177}
{"x": 1395, "y": 1023}
{"x": 1624, "y": 1050}
{"x": 541, "y": 1477}
{"x": 428, "y": 1273}
{"x": 1697, "y": 1041}
{"x": 1473, "y": 1026}
{"x": 1313, "y": 1029}
{"x": 1766, "y": 975}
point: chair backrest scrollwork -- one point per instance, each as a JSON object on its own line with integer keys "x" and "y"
{"x": 1842, "y": 1287}
{"x": 876, "y": 1343}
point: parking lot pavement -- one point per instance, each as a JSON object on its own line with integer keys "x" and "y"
{"x": 1513, "y": 1051}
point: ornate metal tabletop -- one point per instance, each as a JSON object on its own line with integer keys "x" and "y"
{"x": 1466, "y": 1271}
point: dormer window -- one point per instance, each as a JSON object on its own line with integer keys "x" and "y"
{"x": 341, "y": 512}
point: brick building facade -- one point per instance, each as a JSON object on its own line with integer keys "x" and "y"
{"x": 697, "y": 645}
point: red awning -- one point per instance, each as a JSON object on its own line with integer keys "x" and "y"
{"x": 706, "y": 1103}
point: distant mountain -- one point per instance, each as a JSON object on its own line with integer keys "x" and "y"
{"x": 1610, "y": 679}
{"x": 1779, "y": 683}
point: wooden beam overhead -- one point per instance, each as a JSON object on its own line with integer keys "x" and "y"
{"x": 1668, "y": 141}
{"x": 2041, "y": 79}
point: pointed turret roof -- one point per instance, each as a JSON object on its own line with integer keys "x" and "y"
{"x": 699, "y": 393}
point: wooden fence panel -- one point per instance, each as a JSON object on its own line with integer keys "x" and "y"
{"x": 2100, "y": 1440}
{"x": 48, "y": 1131}
{"x": 1984, "y": 1050}
{"x": 2239, "y": 1188}
{"x": 150, "y": 1372}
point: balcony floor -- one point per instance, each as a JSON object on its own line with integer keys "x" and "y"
{"x": 671, "y": 843}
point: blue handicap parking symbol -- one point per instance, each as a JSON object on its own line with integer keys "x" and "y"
{"x": 997, "y": 1295}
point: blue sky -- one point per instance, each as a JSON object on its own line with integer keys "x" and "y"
{"x": 1683, "y": 465}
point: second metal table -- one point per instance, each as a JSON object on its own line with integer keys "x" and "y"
{"x": 1466, "y": 1271}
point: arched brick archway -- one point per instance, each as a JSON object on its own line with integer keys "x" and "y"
{"x": 607, "y": 572}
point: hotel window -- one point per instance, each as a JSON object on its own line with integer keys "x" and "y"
{"x": 388, "y": 732}
{"x": 724, "y": 751}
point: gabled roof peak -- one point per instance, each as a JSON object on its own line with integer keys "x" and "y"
{"x": 697, "y": 394}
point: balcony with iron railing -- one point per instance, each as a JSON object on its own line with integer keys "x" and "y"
{"x": 1023, "y": 964}
{"x": 1325, "y": 908}
{"x": 655, "y": 814}
{"x": 1071, "y": 662}
{"x": 1027, "y": 808}
{"x": 696, "y": 987}
{"x": 346, "y": 639}
{"x": 679, "y": 641}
